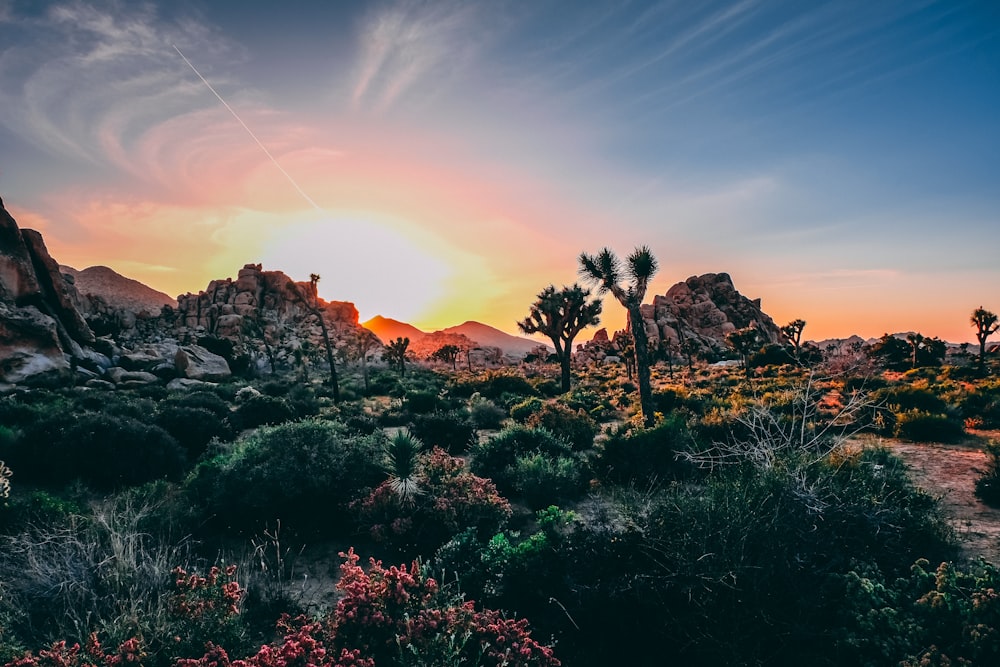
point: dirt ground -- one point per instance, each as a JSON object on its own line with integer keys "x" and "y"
{"x": 949, "y": 472}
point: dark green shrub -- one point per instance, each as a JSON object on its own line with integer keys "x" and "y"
{"x": 543, "y": 480}
{"x": 452, "y": 431}
{"x": 485, "y": 413}
{"x": 204, "y": 399}
{"x": 529, "y": 406}
{"x": 303, "y": 401}
{"x": 276, "y": 388}
{"x": 910, "y": 398}
{"x": 645, "y": 455}
{"x": 576, "y": 427}
{"x": 193, "y": 428}
{"x": 104, "y": 451}
{"x": 988, "y": 483}
{"x": 303, "y": 473}
{"x": 920, "y": 426}
{"x": 499, "y": 453}
{"x": 422, "y": 402}
{"x": 261, "y": 410}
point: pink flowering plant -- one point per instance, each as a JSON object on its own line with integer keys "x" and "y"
{"x": 451, "y": 500}
{"x": 205, "y": 608}
{"x": 91, "y": 654}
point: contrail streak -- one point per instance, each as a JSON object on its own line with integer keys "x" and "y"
{"x": 250, "y": 132}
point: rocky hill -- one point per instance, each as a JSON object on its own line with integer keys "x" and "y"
{"x": 701, "y": 311}
{"x": 117, "y": 291}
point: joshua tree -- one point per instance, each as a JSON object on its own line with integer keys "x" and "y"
{"x": 605, "y": 271}
{"x": 986, "y": 325}
{"x": 745, "y": 342}
{"x": 395, "y": 354}
{"x": 793, "y": 332}
{"x": 312, "y": 305}
{"x": 916, "y": 341}
{"x": 448, "y": 354}
{"x": 561, "y": 315}
{"x": 365, "y": 342}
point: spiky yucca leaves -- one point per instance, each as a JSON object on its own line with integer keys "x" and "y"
{"x": 402, "y": 463}
{"x": 5, "y": 475}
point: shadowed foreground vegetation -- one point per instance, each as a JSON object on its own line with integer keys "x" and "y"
{"x": 732, "y": 517}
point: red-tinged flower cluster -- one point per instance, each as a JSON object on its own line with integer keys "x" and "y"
{"x": 217, "y": 594}
{"x": 304, "y": 644}
{"x": 388, "y": 610}
{"x": 451, "y": 501}
{"x": 89, "y": 655}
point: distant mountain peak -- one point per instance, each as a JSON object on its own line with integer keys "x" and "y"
{"x": 117, "y": 290}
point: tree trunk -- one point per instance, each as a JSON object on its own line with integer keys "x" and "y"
{"x": 642, "y": 364}
{"x": 329, "y": 355}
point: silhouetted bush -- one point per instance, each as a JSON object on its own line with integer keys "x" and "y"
{"x": 485, "y": 413}
{"x": 920, "y": 426}
{"x": 422, "y": 402}
{"x": 104, "y": 451}
{"x": 193, "y": 428}
{"x": 497, "y": 457}
{"x": 988, "y": 483}
{"x": 542, "y": 480}
{"x": 645, "y": 455}
{"x": 303, "y": 473}
{"x": 204, "y": 399}
{"x": 452, "y": 431}
{"x": 261, "y": 410}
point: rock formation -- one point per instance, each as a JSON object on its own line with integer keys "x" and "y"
{"x": 43, "y": 334}
{"x": 700, "y": 312}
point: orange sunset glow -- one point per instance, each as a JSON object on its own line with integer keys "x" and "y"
{"x": 439, "y": 166}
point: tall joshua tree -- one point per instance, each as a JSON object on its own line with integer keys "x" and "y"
{"x": 793, "y": 332}
{"x": 312, "y": 305}
{"x": 561, "y": 315}
{"x": 605, "y": 271}
{"x": 396, "y": 354}
{"x": 986, "y": 325}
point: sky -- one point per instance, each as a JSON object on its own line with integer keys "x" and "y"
{"x": 443, "y": 161}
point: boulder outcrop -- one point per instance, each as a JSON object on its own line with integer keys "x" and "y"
{"x": 700, "y": 312}
{"x": 42, "y": 330}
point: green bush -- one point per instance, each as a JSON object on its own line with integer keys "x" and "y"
{"x": 422, "y": 402}
{"x": 576, "y": 427}
{"x": 988, "y": 483}
{"x": 205, "y": 400}
{"x": 920, "y": 426}
{"x": 104, "y": 451}
{"x": 904, "y": 398}
{"x": 529, "y": 406}
{"x": 261, "y": 410}
{"x": 543, "y": 480}
{"x": 485, "y": 413}
{"x": 302, "y": 473}
{"x": 193, "y": 428}
{"x": 645, "y": 455}
{"x": 452, "y": 431}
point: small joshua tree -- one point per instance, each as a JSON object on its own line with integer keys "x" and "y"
{"x": 395, "y": 354}
{"x": 561, "y": 315}
{"x": 986, "y": 325}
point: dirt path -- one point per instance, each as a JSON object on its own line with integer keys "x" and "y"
{"x": 950, "y": 472}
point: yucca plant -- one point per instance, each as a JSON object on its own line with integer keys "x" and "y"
{"x": 402, "y": 463}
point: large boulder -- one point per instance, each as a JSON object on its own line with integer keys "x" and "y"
{"x": 701, "y": 311}
{"x": 30, "y": 352}
{"x": 196, "y": 363}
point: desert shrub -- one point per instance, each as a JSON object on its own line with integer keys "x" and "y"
{"x": 422, "y": 402}
{"x": 205, "y": 400}
{"x": 988, "y": 482}
{"x": 193, "y": 428}
{"x": 303, "y": 401}
{"x": 668, "y": 400}
{"x": 947, "y": 615}
{"x": 547, "y": 387}
{"x": 576, "y": 427}
{"x": 492, "y": 385}
{"x": 104, "y": 451}
{"x": 645, "y": 455}
{"x": 275, "y": 388}
{"x": 543, "y": 480}
{"x": 920, "y": 426}
{"x": 495, "y": 457}
{"x": 529, "y": 406}
{"x": 905, "y": 398}
{"x": 277, "y": 472}
{"x": 485, "y": 413}
{"x": 36, "y": 507}
{"x": 260, "y": 411}
{"x": 452, "y": 431}
{"x": 448, "y": 501}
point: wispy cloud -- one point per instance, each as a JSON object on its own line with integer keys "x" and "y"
{"x": 413, "y": 46}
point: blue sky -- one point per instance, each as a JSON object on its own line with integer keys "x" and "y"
{"x": 838, "y": 159}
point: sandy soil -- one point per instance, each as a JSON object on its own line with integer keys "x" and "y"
{"x": 950, "y": 472}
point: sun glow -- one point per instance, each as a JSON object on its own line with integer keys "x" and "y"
{"x": 380, "y": 266}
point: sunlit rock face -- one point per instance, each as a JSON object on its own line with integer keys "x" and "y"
{"x": 41, "y": 326}
{"x": 702, "y": 311}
